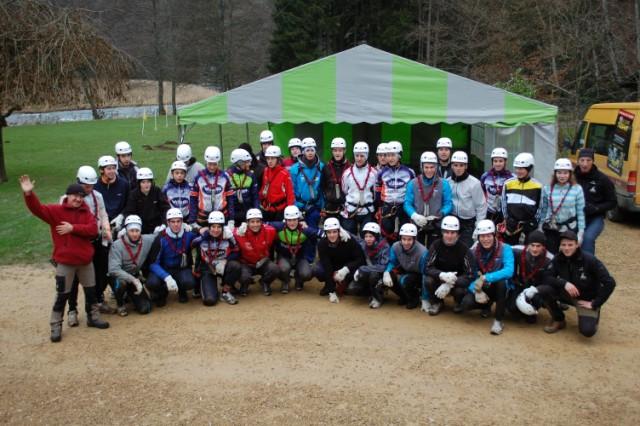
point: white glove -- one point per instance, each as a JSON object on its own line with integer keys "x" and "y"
{"x": 481, "y": 297}
{"x": 159, "y": 229}
{"x": 356, "y": 275}
{"x": 227, "y": 232}
{"x": 443, "y": 290}
{"x": 431, "y": 218}
{"x": 195, "y": 227}
{"x": 187, "y": 227}
{"x": 344, "y": 235}
{"x": 333, "y": 298}
{"x": 341, "y": 274}
{"x": 580, "y": 236}
{"x": 386, "y": 279}
{"x": 117, "y": 221}
{"x": 138, "y": 285}
{"x": 452, "y": 277}
{"x": 121, "y": 233}
{"x": 242, "y": 229}
{"x": 231, "y": 224}
{"x": 220, "y": 267}
{"x": 172, "y": 285}
{"x": 419, "y": 220}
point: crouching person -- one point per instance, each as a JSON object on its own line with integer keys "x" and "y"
{"x": 219, "y": 254}
{"x": 407, "y": 260}
{"x": 494, "y": 262}
{"x": 340, "y": 256}
{"x": 578, "y": 278}
{"x": 449, "y": 269}
{"x": 126, "y": 257}
{"x": 171, "y": 271}
{"x": 73, "y": 227}
{"x": 376, "y": 254}
{"x": 530, "y": 270}
{"x": 256, "y": 241}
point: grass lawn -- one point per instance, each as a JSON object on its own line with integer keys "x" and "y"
{"x": 51, "y": 154}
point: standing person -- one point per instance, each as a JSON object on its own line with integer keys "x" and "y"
{"x": 407, "y": 261}
{"x": 177, "y": 190}
{"x": 428, "y": 200}
{"x": 493, "y": 181}
{"x": 600, "y": 197}
{"x": 530, "y": 272}
{"x": 305, "y": 175}
{"x": 72, "y": 227}
{"x": 358, "y": 186}
{"x": 243, "y": 184}
{"x": 256, "y": 242}
{"x": 295, "y": 149}
{"x": 469, "y": 204}
{"x": 147, "y": 201}
{"x": 114, "y": 190}
{"x": 193, "y": 167}
{"x": 392, "y": 182}
{"x": 449, "y": 269}
{"x": 562, "y": 205}
{"x": 127, "y": 168}
{"x": 444, "y": 147}
{"x": 381, "y": 156}
{"x": 126, "y": 257}
{"x": 339, "y": 257}
{"x": 580, "y": 279}
{"x": 276, "y": 191}
{"x": 171, "y": 270}
{"x": 266, "y": 141}
{"x": 331, "y": 179}
{"x": 219, "y": 254}
{"x": 87, "y": 177}
{"x": 376, "y": 252}
{"x": 494, "y": 261}
{"x": 521, "y": 200}
{"x": 296, "y": 248}
{"x": 211, "y": 191}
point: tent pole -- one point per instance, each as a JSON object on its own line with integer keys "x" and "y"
{"x": 246, "y": 129}
{"x": 221, "y": 149}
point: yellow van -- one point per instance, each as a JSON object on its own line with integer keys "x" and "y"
{"x": 613, "y": 131}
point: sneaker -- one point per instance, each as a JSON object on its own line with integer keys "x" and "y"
{"x": 555, "y": 326}
{"x": 228, "y": 297}
{"x": 196, "y": 293}
{"x": 497, "y": 327}
{"x": 106, "y": 309}
{"x": 183, "y": 297}
{"x": 285, "y": 288}
{"x": 266, "y": 289}
{"x": 299, "y": 285}
{"x": 72, "y": 319}
{"x": 425, "y": 306}
{"x": 374, "y": 304}
{"x": 122, "y": 311}
{"x": 457, "y": 308}
{"x": 333, "y": 298}
{"x": 435, "y": 308}
{"x": 486, "y": 311}
{"x": 244, "y": 290}
{"x": 413, "y": 303}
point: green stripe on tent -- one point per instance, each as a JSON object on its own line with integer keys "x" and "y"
{"x": 334, "y": 130}
{"x": 419, "y": 92}
{"x": 211, "y": 110}
{"x": 282, "y": 132}
{"x": 309, "y": 92}
{"x": 521, "y": 110}
{"x": 400, "y": 132}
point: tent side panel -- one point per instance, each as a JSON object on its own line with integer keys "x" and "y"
{"x": 212, "y": 110}
{"x": 521, "y": 110}
{"x": 256, "y": 103}
{"x": 471, "y": 102}
{"x": 309, "y": 94}
{"x": 419, "y": 93}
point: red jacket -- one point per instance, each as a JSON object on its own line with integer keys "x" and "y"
{"x": 276, "y": 191}
{"x": 74, "y": 248}
{"x": 255, "y": 246}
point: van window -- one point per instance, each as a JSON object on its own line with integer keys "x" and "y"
{"x": 581, "y": 136}
{"x": 600, "y": 137}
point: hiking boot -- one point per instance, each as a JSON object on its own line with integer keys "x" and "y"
{"x": 299, "y": 285}
{"x": 266, "y": 289}
{"x": 555, "y": 326}
{"x": 56, "y": 326}
{"x": 324, "y": 291}
{"x": 374, "y": 304}
{"x": 196, "y": 293}
{"x": 228, "y": 297}
{"x": 457, "y": 308}
{"x": 333, "y": 298}
{"x": 183, "y": 297}
{"x": 93, "y": 318}
{"x": 413, "y": 303}
{"x": 285, "y": 288}
{"x": 425, "y": 306}
{"x": 72, "y": 319}
{"x": 497, "y": 327}
{"x": 122, "y": 311}
{"x": 244, "y": 290}
{"x": 435, "y": 308}
{"x": 486, "y": 311}
{"x": 160, "y": 302}
{"x": 105, "y": 308}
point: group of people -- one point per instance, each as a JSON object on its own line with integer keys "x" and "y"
{"x": 362, "y": 229}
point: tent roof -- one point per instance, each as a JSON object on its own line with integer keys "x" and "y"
{"x": 367, "y": 85}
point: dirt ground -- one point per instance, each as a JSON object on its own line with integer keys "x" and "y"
{"x": 297, "y": 359}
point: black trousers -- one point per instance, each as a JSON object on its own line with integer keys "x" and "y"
{"x": 268, "y": 271}
{"x": 512, "y": 307}
{"x": 388, "y": 223}
{"x": 124, "y": 290}
{"x": 497, "y": 293}
{"x": 588, "y": 319}
{"x": 373, "y": 282}
{"x": 431, "y": 284}
{"x": 184, "y": 278}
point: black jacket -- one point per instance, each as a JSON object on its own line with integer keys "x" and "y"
{"x": 456, "y": 258}
{"x": 584, "y": 271}
{"x": 330, "y": 177}
{"x": 529, "y": 271}
{"x": 347, "y": 254}
{"x": 151, "y": 208}
{"x": 599, "y": 192}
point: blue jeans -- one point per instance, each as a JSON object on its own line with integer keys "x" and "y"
{"x": 593, "y": 229}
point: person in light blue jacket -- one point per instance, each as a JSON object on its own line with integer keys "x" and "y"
{"x": 494, "y": 266}
{"x": 562, "y": 205}
{"x": 305, "y": 175}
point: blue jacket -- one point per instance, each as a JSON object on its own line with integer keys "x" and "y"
{"x": 447, "y": 204}
{"x": 503, "y": 266}
{"x": 115, "y": 195}
{"x": 306, "y": 184}
{"x": 170, "y": 252}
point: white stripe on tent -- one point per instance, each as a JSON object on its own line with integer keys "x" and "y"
{"x": 471, "y": 102}
{"x": 257, "y": 102}
{"x": 363, "y": 85}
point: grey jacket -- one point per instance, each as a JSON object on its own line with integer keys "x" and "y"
{"x": 121, "y": 266}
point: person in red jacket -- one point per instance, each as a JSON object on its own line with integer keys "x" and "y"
{"x": 256, "y": 241}
{"x": 73, "y": 227}
{"x": 276, "y": 190}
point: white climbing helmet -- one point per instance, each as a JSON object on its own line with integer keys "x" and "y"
{"x": 408, "y": 230}
{"x": 144, "y": 173}
{"x": 133, "y": 221}
{"x": 174, "y": 213}
{"x": 183, "y": 152}
{"x": 450, "y": 223}
{"x": 240, "y": 154}
{"x": 331, "y": 224}
{"x": 87, "y": 175}
{"x": 338, "y": 143}
{"x": 107, "y": 160}
{"x": 371, "y": 227}
{"x": 308, "y": 143}
{"x": 273, "y": 151}
{"x": 428, "y": 157}
{"x": 123, "y": 148}
{"x": 444, "y": 143}
{"x": 563, "y": 164}
{"x": 215, "y": 217}
{"x": 382, "y": 148}
{"x": 266, "y": 136}
{"x": 499, "y": 153}
{"x": 254, "y": 214}
{"x": 361, "y": 148}
{"x": 178, "y": 165}
{"x": 292, "y": 212}
{"x": 524, "y": 159}
{"x": 394, "y": 147}
{"x": 522, "y": 301}
{"x": 212, "y": 154}
{"x": 293, "y": 142}
{"x": 460, "y": 157}
{"x": 485, "y": 226}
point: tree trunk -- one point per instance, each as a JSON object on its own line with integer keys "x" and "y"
{"x": 3, "y": 167}
{"x": 158, "y": 57}
{"x": 610, "y": 41}
{"x": 174, "y": 106}
{"x": 637, "y": 9}
{"x": 88, "y": 94}
{"x": 428, "y": 42}
{"x": 161, "y": 110}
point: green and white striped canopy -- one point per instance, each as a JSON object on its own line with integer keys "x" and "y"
{"x": 367, "y": 85}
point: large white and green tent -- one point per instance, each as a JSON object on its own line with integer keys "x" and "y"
{"x": 367, "y": 94}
